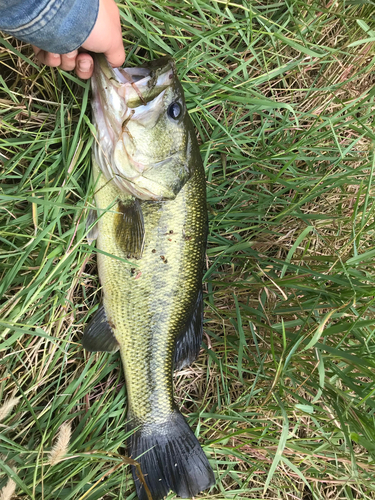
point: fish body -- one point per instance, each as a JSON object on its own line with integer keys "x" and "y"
{"x": 150, "y": 263}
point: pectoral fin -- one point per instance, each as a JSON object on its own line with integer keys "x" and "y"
{"x": 93, "y": 232}
{"x": 130, "y": 230}
{"x": 189, "y": 341}
{"x": 98, "y": 334}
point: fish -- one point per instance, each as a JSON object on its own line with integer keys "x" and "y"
{"x": 150, "y": 228}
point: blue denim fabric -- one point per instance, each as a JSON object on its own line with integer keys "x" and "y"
{"x": 58, "y": 26}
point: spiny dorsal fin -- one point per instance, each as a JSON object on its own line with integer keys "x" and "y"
{"x": 189, "y": 341}
{"x": 130, "y": 230}
{"x": 93, "y": 232}
{"x": 98, "y": 335}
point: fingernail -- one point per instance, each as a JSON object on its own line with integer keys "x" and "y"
{"x": 84, "y": 66}
{"x": 55, "y": 55}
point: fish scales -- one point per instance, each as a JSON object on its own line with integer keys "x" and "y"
{"x": 152, "y": 296}
{"x": 151, "y": 235}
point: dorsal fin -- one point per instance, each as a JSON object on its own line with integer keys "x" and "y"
{"x": 130, "y": 230}
{"x": 98, "y": 335}
{"x": 189, "y": 341}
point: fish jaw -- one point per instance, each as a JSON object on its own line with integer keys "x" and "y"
{"x": 139, "y": 147}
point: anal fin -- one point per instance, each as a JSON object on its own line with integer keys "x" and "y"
{"x": 189, "y": 341}
{"x": 98, "y": 334}
{"x": 130, "y": 230}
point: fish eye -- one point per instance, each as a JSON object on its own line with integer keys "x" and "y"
{"x": 174, "y": 110}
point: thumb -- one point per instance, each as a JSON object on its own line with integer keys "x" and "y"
{"x": 106, "y": 36}
{"x": 116, "y": 54}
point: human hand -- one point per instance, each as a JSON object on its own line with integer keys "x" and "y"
{"x": 106, "y": 37}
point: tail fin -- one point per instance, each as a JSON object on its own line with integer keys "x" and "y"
{"x": 171, "y": 458}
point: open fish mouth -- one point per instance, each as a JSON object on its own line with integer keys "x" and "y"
{"x": 122, "y": 96}
{"x": 143, "y": 84}
{"x": 136, "y": 85}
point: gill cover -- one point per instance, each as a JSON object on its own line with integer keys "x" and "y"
{"x": 145, "y": 134}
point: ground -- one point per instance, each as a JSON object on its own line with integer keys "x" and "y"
{"x": 281, "y": 397}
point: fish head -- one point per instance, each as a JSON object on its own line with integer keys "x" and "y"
{"x": 145, "y": 134}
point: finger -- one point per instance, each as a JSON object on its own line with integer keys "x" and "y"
{"x": 106, "y": 36}
{"x": 84, "y": 65}
{"x": 68, "y": 61}
{"x": 48, "y": 58}
{"x": 36, "y": 49}
{"x": 116, "y": 55}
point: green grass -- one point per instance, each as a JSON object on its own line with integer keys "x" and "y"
{"x": 282, "y": 396}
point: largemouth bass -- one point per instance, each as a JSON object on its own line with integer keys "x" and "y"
{"x": 150, "y": 198}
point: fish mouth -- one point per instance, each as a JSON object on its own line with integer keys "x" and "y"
{"x": 121, "y": 95}
{"x": 137, "y": 86}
